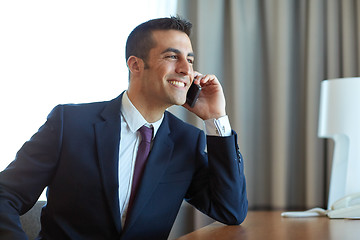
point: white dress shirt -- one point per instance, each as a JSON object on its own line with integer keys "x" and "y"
{"x": 131, "y": 121}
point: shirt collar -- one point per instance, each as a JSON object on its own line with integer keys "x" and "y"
{"x": 133, "y": 117}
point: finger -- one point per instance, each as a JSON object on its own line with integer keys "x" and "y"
{"x": 208, "y": 79}
{"x": 196, "y": 73}
{"x": 197, "y": 80}
{"x": 198, "y": 77}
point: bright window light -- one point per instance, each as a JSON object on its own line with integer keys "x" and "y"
{"x": 67, "y": 51}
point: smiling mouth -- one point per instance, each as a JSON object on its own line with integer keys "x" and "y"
{"x": 177, "y": 83}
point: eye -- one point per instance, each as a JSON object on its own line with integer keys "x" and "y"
{"x": 191, "y": 61}
{"x": 172, "y": 57}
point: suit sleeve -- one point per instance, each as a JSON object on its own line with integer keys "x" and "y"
{"x": 218, "y": 188}
{"x": 22, "y": 182}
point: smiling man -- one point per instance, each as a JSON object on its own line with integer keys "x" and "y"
{"x": 120, "y": 169}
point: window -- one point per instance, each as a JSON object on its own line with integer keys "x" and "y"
{"x": 66, "y": 51}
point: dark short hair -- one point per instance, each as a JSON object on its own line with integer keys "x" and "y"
{"x": 140, "y": 40}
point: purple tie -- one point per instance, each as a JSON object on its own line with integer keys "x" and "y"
{"x": 142, "y": 154}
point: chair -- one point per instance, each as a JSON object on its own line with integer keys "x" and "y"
{"x": 30, "y": 221}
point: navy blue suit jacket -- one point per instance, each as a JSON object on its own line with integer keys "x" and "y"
{"x": 75, "y": 153}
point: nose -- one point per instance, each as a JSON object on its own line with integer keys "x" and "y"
{"x": 183, "y": 67}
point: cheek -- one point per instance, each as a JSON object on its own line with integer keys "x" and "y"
{"x": 167, "y": 67}
{"x": 192, "y": 74}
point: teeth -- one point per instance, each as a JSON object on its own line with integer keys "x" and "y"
{"x": 176, "y": 83}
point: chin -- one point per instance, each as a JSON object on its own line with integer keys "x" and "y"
{"x": 179, "y": 102}
{"x": 177, "y": 99}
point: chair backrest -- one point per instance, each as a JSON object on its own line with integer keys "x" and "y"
{"x": 339, "y": 119}
{"x": 30, "y": 221}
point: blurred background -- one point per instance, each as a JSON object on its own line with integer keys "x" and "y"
{"x": 270, "y": 57}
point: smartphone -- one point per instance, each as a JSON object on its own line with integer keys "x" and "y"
{"x": 193, "y": 94}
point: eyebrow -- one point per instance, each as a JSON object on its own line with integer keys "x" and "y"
{"x": 177, "y": 51}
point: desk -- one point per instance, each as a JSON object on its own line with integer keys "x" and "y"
{"x": 270, "y": 225}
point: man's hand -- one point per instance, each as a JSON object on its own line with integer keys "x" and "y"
{"x": 211, "y": 101}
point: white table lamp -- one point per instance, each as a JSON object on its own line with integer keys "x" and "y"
{"x": 339, "y": 119}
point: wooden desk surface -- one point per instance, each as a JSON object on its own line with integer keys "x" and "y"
{"x": 270, "y": 225}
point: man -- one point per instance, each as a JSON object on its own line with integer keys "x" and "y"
{"x": 86, "y": 154}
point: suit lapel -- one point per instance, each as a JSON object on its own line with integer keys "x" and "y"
{"x": 107, "y": 141}
{"x": 155, "y": 167}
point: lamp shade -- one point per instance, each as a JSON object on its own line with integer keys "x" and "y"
{"x": 339, "y": 120}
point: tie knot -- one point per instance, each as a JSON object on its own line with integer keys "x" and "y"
{"x": 146, "y": 133}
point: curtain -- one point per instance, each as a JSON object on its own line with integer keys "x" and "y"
{"x": 271, "y": 57}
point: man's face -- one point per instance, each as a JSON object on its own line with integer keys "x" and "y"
{"x": 170, "y": 68}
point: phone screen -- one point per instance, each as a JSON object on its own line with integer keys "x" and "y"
{"x": 193, "y": 94}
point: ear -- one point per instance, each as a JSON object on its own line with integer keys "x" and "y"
{"x": 135, "y": 64}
